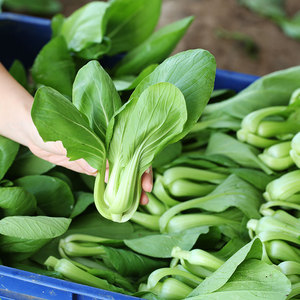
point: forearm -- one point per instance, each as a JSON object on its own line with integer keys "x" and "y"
{"x": 15, "y": 107}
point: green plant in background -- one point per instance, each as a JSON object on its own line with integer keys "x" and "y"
{"x": 242, "y": 39}
{"x": 40, "y": 7}
{"x": 274, "y": 10}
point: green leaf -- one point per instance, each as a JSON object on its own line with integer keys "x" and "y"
{"x": 95, "y": 51}
{"x": 11, "y": 244}
{"x": 56, "y": 118}
{"x": 291, "y": 27}
{"x": 82, "y": 202}
{"x": 255, "y": 177}
{"x": 54, "y": 197}
{"x": 167, "y": 155}
{"x": 55, "y": 56}
{"x": 143, "y": 127}
{"x": 29, "y": 164}
{"x": 271, "y": 90}
{"x": 131, "y": 22}
{"x": 267, "y": 8}
{"x": 252, "y": 250}
{"x": 95, "y": 95}
{"x": 86, "y": 26}
{"x": 193, "y": 72}
{"x": 161, "y": 245}
{"x": 39, "y": 227}
{"x": 16, "y": 201}
{"x": 128, "y": 263}
{"x": 8, "y": 152}
{"x": 88, "y": 180}
{"x": 56, "y": 24}
{"x": 239, "y": 152}
{"x": 125, "y": 83}
{"x": 18, "y": 72}
{"x": 95, "y": 224}
{"x": 234, "y": 192}
{"x": 41, "y": 7}
{"x": 253, "y": 279}
{"x": 155, "y": 49}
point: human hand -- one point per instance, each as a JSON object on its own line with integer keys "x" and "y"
{"x": 16, "y": 124}
{"x": 55, "y": 153}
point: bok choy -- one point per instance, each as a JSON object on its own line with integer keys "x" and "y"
{"x": 161, "y": 110}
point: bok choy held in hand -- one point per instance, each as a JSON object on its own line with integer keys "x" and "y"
{"x": 161, "y": 110}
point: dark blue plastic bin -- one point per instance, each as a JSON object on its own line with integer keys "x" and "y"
{"x": 21, "y": 38}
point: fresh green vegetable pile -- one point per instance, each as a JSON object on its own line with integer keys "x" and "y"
{"x": 223, "y": 218}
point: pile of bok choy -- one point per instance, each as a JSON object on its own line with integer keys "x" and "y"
{"x": 223, "y": 217}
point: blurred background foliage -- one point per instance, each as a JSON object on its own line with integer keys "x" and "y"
{"x": 250, "y": 36}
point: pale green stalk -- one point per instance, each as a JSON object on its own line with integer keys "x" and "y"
{"x": 74, "y": 273}
{"x": 284, "y": 187}
{"x": 146, "y": 220}
{"x": 198, "y": 257}
{"x": 159, "y": 274}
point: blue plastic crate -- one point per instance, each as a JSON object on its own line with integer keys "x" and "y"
{"x": 21, "y": 38}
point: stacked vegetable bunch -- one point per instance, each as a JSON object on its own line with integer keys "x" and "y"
{"x": 205, "y": 200}
{"x": 191, "y": 241}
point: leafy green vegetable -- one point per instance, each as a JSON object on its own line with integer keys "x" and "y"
{"x": 167, "y": 155}
{"x": 95, "y": 224}
{"x": 186, "y": 71}
{"x": 128, "y": 263}
{"x": 56, "y": 24}
{"x": 257, "y": 178}
{"x": 130, "y": 23}
{"x": 252, "y": 250}
{"x": 268, "y": 8}
{"x": 53, "y": 195}
{"x": 27, "y": 163}
{"x": 16, "y": 201}
{"x": 39, "y": 227}
{"x": 95, "y": 51}
{"x": 161, "y": 245}
{"x": 95, "y": 96}
{"x": 130, "y": 82}
{"x": 155, "y": 49}
{"x": 232, "y": 192}
{"x": 253, "y": 279}
{"x": 86, "y": 26}
{"x": 52, "y": 110}
{"x": 69, "y": 270}
{"x": 243, "y": 40}
{"x": 8, "y": 152}
{"x": 291, "y": 27}
{"x": 270, "y": 90}
{"x": 241, "y": 153}
{"x": 158, "y": 115}
{"x": 41, "y": 7}
{"x": 55, "y": 56}
{"x": 18, "y": 72}
{"x": 20, "y": 248}
{"x": 82, "y": 202}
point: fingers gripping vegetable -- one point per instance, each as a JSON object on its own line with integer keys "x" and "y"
{"x": 161, "y": 110}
